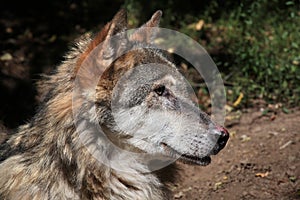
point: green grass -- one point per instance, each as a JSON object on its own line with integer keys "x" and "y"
{"x": 264, "y": 47}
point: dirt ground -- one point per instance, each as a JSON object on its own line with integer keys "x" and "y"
{"x": 260, "y": 161}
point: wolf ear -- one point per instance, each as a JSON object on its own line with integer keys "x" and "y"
{"x": 110, "y": 46}
{"x": 145, "y": 33}
{"x": 118, "y": 23}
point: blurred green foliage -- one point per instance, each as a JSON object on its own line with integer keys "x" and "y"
{"x": 255, "y": 44}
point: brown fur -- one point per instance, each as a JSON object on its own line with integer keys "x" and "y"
{"x": 48, "y": 159}
{"x": 45, "y": 159}
{"x": 100, "y": 37}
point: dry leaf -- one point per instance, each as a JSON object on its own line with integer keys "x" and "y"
{"x": 218, "y": 185}
{"x": 199, "y": 25}
{"x": 262, "y": 174}
{"x": 6, "y": 57}
{"x": 245, "y": 138}
{"x": 239, "y": 99}
{"x": 178, "y": 195}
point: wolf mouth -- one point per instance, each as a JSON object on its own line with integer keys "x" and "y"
{"x": 186, "y": 158}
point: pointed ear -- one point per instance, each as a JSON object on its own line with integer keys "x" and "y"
{"x": 118, "y": 23}
{"x": 109, "y": 45}
{"x": 116, "y": 38}
{"x": 145, "y": 33}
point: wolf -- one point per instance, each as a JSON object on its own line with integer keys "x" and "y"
{"x": 140, "y": 104}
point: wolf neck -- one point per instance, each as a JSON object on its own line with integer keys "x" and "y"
{"x": 123, "y": 176}
{"x": 90, "y": 162}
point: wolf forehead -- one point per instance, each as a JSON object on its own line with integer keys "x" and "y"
{"x": 150, "y": 71}
{"x": 131, "y": 84}
{"x": 139, "y": 67}
{"x": 138, "y": 83}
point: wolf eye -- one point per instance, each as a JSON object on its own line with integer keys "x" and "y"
{"x": 160, "y": 90}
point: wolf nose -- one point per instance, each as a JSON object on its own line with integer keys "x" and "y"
{"x": 223, "y": 138}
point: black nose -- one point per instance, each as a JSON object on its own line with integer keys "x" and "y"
{"x": 223, "y": 138}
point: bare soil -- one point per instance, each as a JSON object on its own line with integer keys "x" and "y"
{"x": 260, "y": 161}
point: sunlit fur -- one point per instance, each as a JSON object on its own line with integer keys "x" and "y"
{"x": 46, "y": 158}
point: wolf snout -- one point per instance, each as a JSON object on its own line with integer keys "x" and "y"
{"x": 222, "y": 138}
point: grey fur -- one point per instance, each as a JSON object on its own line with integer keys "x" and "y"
{"x": 141, "y": 106}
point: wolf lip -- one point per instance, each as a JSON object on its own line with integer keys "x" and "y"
{"x": 185, "y": 158}
{"x": 195, "y": 160}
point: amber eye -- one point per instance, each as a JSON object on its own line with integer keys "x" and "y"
{"x": 159, "y": 90}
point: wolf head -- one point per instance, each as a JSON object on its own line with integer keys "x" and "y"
{"x": 141, "y": 99}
